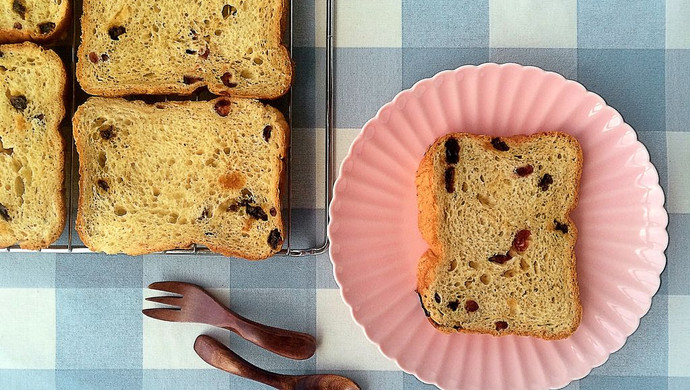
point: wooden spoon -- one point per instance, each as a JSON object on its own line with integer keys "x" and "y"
{"x": 218, "y": 355}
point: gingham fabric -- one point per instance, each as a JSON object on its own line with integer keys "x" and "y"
{"x": 74, "y": 321}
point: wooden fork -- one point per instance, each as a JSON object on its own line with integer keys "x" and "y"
{"x": 196, "y": 305}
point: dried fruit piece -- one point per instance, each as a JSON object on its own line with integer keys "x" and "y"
{"x": 471, "y": 306}
{"x": 449, "y": 178}
{"x": 105, "y": 57}
{"x": 4, "y": 213}
{"x": 273, "y": 212}
{"x": 190, "y": 51}
{"x": 561, "y": 226}
{"x": 103, "y": 185}
{"x": 192, "y": 79}
{"x": 116, "y": 31}
{"x": 203, "y": 53}
{"x": 229, "y": 10}
{"x": 247, "y": 196}
{"x": 501, "y": 325}
{"x": 18, "y": 26}
{"x": 453, "y": 305}
{"x": 521, "y": 240}
{"x": 93, "y": 57}
{"x": 19, "y": 102}
{"x": 193, "y": 34}
{"x": 226, "y": 78}
{"x": 234, "y": 207}
{"x": 437, "y": 298}
{"x": 107, "y": 132}
{"x": 222, "y": 107}
{"x": 545, "y": 182}
{"x": 500, "y": 259}
{"x": 19, "y": 7}
{"x": 452, "y": 151}
{"x": 524, "y": 171}
{"x": 46, "y": 28}
{"x": 274, "y": 239}
{"x": 498, "y": 144}
{"x": 267, "y": 132}
{"x": 256, "y": 212}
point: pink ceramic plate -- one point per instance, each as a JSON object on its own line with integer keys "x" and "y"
{"x": 375, "y": 243}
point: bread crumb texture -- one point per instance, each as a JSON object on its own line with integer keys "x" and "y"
{"x": 495, "y": 212}
{"x": 31, "y": 149}
{"x": 35, "y": 20}
{"x": 164, "y": 176}
{"x": 176, "y": 47}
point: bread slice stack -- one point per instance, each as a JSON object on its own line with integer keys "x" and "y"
{"x": 32, "y": 204}
{"x": 32, "y": 20}
{"x": 163, "y": 176}
{"x": 496, "y": 215}
{"x": 176, "y": 47}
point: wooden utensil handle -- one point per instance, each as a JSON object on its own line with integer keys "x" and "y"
{"x": 287, "y": 343}
{"x": 219, "y": 356}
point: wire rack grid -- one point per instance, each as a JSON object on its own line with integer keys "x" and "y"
{"x": 69, "y": 241}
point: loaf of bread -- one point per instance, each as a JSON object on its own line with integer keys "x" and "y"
{"x": 32, "y": 206}
{"x": 176, "y": 47}
{"x": 495, "y": 213}
{"x": 32, "y": 20}
{"x": 164, "y": 176}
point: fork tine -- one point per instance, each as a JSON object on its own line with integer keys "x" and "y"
{"x": 163, "y": 314}
{"x": 172, "y": 287}
{"x": 172, "y": 301}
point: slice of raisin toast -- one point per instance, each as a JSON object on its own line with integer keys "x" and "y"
{"x": 33, "y": 20}
{"x": 175, "y": 47}
{"x": 495, "y": 213}
{"x": 164, "y": 176}
{"x": 32, "y": 206}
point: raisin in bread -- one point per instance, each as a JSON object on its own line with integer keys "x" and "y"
{"x": 32, "y": 207}
{"x": 495, "y": 213}
{"x": 164, "y": 176}
{"x": 175, "y": 47}
{"x": 32, "y": 20}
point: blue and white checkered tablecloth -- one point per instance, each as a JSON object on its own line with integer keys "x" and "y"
{"x": 74, "y": 321}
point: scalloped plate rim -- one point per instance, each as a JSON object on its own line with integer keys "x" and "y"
{"x": 647, "y": 164}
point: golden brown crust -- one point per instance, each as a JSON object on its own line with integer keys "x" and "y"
{"x": 14, "y": 36}
{"x": 80, "y": 225}
{"x": 56, "y": 231}
{"x": 182, "y": 89}
{"x": 430, "y": 214}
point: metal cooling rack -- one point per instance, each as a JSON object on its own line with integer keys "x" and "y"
{"x": 69, "y": 241}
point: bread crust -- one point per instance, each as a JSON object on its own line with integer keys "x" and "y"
{"x": 287, "y": 66}
{"x": 59, "y": 198}
{"x": 12, "y": 35}
{"x": 429, "y": 221}
{"x": 142, "y": 249}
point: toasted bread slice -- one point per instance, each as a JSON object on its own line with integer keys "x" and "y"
{"x": 165, "y": 176}
{"x": 176, "y": 47}
{"x": 32, "y": 205}
{"x": 495, "y": 212}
